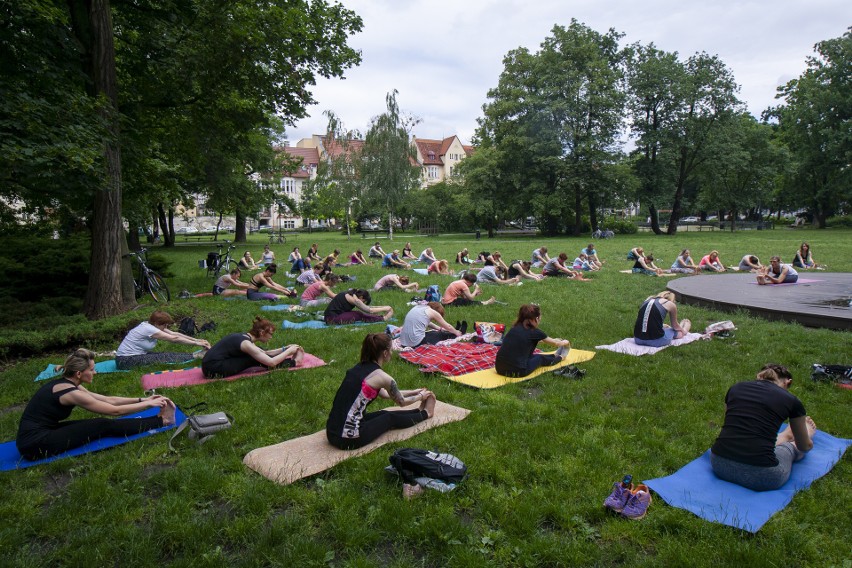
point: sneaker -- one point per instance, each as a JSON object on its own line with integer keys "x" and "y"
{"x": 618, "y": 498}
{"x": 638, "y": 503}
{"x": 411, "y": 491}
{"x": 463, "y": 327}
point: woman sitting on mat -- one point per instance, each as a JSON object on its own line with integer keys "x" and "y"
{"x": 313, "y": 253}
{"x": 516, "y": 357}
{"x": 44, "y": 430}
{"x": 462, "y": 257}
{"x": 439, "y": 267}
{"x": 749, "y": 450}
{"x": 357, "y": 257}
{"x": 556, "y": 267}
{"x": 539, "y": 257}
{"x": 223, "y": 286}
{"x": 247, "y": 262}
{"x": 319, "y": 293}
{"x": 267, "y": 257}
{"x": 425, "y": 325}
{"x": 392, "y": 260}
{"x": 803, "y": 258}
{"x": 522, "y": 269}
{"x": 391, "y": 281}
{"x": 342, "y": 309}
{"x": 406, "y": 252}
{"x": 427, "y": 256}
{"x": 649, "y": 328}
{"x": 777, "y": 273}
{"x": 237, "y": 352}
{"x": 488, "y": 275}
{"x": 645, "y": 265}
{"x": 376, "y": 251}
{"x": 459, "y": 293}
{"x": 261, "y": 279}
{"x": 349, "y": 426}
{"x": 136, "y": 349}
{"x": 711, "y": 262}
{"x": 750, "y": 263}
{"x": 684, "y": 264}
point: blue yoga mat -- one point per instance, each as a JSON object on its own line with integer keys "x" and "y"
{"x": 695, "y": 488}
{"x": 423, "y": 271}
{"x": 10, "y": 458}
{"x": 316, "y": 324}
{"x": 102, "y": 367}
{"x": 276, "y": 307}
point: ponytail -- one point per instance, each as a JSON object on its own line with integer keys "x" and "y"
{"x": 375, "y": 344}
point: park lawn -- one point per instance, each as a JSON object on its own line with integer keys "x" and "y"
{"x": 542, "y": 454}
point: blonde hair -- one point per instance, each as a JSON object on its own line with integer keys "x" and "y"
{"x": 78, "y": 361}
{"x": 664, "y": 295}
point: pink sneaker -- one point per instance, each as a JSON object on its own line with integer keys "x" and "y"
{"x": 638, "y": 503}
{"x": 619, "y": 496}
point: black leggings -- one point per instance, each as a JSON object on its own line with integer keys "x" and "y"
{"x": 374, "y": 424}
{"x": 433, "y": 336}
{"x": 74, "y": 433}
{"x": 459, "y": 302}
{"x": 228, "y": 367}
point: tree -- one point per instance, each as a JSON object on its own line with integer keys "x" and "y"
{"x": 389, "y": 161}
{"x": 814, "y": 122}
{"x": 675, "y": 108}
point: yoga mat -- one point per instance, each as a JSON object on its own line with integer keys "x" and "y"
{"x": 629, "y": 347}
{"x": 489, "y": 379}
{"x": 799, "y": 281}
{"x": 317, "y": 324}
{"x": 422, "y": 271}
{"x": 292, "y": 460}
{"x": 10, "y": 458}
{"x": 194, "y": 375}
{"x": 695, "y": 488}
{"x": 102, "y": 368}
{"x": 282, "y": 308}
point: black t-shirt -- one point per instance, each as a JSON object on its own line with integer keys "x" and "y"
{"x": 338, "y": 305}
{"x": 518, "y": 345}
{"x": 350, "y": 402}
{"x": 649, "y": 321}
{"x": 226, "y": 348}
{"x": 755, "y": 411}
{"x": 44, "y": 412}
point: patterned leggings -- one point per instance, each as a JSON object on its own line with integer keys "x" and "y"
{"x": 130, "y": 361}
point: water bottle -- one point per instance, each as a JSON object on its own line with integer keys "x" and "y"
{"x": 626, "y": 482}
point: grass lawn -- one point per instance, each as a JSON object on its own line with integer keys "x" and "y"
{"x": 542, "y": 454}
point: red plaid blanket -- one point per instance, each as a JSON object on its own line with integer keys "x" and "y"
{"x": 453, "y": 360}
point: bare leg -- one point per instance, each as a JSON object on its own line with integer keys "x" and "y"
{"x": 490, "y": 300}
{"x": 428, "y": 404}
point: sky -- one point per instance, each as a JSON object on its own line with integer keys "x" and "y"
{"x": 443, "y": 57}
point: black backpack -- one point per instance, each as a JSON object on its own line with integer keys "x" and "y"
{"x": 188, "y": 327}
{"x": 411, "y": 463}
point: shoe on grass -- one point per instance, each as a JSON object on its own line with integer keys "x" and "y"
{"x": 638, "y": 503}
{"x": 411, "y": 491}
{"x": 618, "y": 498}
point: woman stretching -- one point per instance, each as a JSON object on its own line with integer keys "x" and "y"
{"x": 645, "y": 265}
{"x": 711, "y": 262}
{"x": 342, "y": 309}
{"x": 425, "y": 325}
{"x": 44, "y": 430}
{"x": 137, "y": 347}
{"x": 749, "y": 450}
{"x": 649, "y": 328}
{"x": 522, "y": 269}
{"x": 349, "y": 425}
{"x": 684, "y": 264}
{"x": 406, "y": 252}
{"x": 439, "y": 267}
{"x": 516, "y": 358}
{"x": 223, "y": 285}
{"x": 427, "y": 256}
{"x": 777, "y": 273}
{"x": 319, "y": 293}
{"x": 261, "y": 279}
{"x": 391, "y": 281}
{"x": 237, "y": 352}
{"x": 750, "y": 263}
{"x": 357, "y": 257}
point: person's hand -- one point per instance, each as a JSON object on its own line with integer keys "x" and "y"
{"x": 204, "y": 343}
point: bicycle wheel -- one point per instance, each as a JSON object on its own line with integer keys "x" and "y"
{"x": 157, "y": 287}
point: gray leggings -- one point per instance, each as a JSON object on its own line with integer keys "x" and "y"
{"x": 754, "y": 477}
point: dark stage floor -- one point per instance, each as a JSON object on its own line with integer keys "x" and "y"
{"x": 818, "y": 299}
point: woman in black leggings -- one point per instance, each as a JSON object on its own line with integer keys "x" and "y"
{"x": 349, "y": 424}
{"x": 44, "y": 430}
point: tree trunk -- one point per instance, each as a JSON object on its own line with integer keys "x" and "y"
{"x": 655, "y": 220}
{"x": 390, "y": 225}
{"x": 133, "y": 237}
{"x": 593, "y": 214}
{"x": 733, "y": 219}
{"x": 240, "y": 227}
{"x": 218, "y": 224}
{"x": 166, "y": 227}
{"x": 92, "y": 24}
{"x": 578, "y": 212}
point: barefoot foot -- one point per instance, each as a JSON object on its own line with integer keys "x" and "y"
{"x": 167, "y": 413}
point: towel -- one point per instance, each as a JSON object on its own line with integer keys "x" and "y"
{"x": 695, "y": 488}
{"x": 194, "y": 376}
{"x": 101, "y": 368}
{"x": 292, "y": 460}
{"x": 489, "y": 379}
{"x": 11, "y": 459}
{"x": 629, "y": 347}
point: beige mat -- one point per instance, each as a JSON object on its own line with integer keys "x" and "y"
{"x": 292, "y": 460}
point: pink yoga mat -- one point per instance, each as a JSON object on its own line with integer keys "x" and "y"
{"x": 193, "y": 376}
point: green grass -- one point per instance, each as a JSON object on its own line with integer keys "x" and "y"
{"x": 542, "y": 454}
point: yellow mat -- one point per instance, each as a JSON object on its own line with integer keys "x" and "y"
{"x": 292, "y": 460}
{"x": 489, "y": 379}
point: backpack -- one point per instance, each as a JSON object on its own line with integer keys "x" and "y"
{"x": 411, "y": 463}
{"x": 209, "y": 326}
{"x": 433, "y": 293}
{"x": 491, "y": 333}
{"x": 188, "y": 327}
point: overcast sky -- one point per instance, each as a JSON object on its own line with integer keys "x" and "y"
{"x": 443, "y": 57}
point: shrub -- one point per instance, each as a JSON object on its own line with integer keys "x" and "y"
{"x": 619, "y": 226}
{"x": 840, "y": 221}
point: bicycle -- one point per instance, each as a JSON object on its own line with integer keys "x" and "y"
{"x": 280, "y": 238}
{"x": 149, "y": 282}
{"x": 603, "y": 234}
{"x": 221, "y": 261}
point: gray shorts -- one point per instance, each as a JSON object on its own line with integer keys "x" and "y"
{"x": 755, "y": 477}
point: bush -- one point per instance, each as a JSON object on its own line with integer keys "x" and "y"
{"x": 619, "y": 226}
{"x": 841, "y": 221}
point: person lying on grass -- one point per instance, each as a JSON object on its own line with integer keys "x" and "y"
{"x": 137, "y": 347}
{"x": 777, "y": 273}
{"x": 237, "y": 352}
{"x": 684, "y": 264}
{"x": 391, "y": 281}
{"x": 319, "y": 293}
{"x": 516, "y": 357}
{"x": 439, "y": 267}
{"x": 261, "y": 279}
{"x": 353, "y": 306}
{"x": 349, "y": 426}
{"x": 425, "y": 325}
{"x": 223, "y": 286}
{"x": 523, "y": 269}
{"x": 464, "y": 292}
{"x": 749, "y": 450}
{"x": 488, "y": 275}
{"x": 44, "y": 430}
{"x": 649, "y": 328}
{"x": 645, "y": 265}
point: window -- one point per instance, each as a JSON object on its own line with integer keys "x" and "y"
{"x": 432, "y": 172}
{"x": 288, "y": 185}
{"x": 289, "y": 224}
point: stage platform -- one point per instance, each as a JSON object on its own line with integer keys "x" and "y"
{"x": 818, "y": 299}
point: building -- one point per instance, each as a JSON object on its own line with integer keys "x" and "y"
{"x": 288, "y": 184}
{"x": 439, "y": 158}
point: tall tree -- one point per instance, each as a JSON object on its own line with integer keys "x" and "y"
{"x": 389, "y": 163}
{"x": 815, "y": 122}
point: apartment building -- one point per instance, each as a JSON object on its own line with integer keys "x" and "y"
{"x": 438, "y": 159}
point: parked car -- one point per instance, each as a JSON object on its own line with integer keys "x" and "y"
{"x": 186, "y": 231}
{"x": 690, "y": 220}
